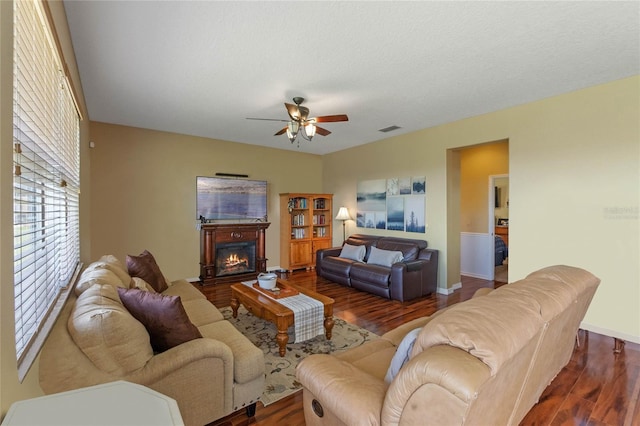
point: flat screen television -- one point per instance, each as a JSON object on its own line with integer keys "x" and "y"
{"x": 230, "y": 199}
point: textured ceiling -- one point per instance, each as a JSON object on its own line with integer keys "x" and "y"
{"x": 201, "y": 68}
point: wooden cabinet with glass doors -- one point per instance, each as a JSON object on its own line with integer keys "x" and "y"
{"x": 305, "y": 228}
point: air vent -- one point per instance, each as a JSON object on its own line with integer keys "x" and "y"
{"x": 389, "y": 129}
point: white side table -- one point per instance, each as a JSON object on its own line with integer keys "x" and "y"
{"x": 111, "y": 404}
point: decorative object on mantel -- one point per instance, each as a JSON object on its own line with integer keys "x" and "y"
{"x": 280, "y": 371}
{"x": 300, "y": 122}
{"x": 343, "y": 215}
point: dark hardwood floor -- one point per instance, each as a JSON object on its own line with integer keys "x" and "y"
{"x": 597, "y": 387}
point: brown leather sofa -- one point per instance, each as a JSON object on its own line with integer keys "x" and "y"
{"x": 415, "y": 276}
{"x": 485, "y": 361}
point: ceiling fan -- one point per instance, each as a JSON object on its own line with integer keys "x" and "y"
{"x": 300, "y": 122}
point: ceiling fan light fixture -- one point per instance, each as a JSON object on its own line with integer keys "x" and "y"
{"x": 300, "y": 121}
{"x": 292, "y": 130}
{"x": 309, "y": 131}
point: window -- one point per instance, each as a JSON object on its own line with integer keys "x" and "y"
{"x": 46, "y": 173}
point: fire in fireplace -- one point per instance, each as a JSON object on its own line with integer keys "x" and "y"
{"x": 235, "y": 258}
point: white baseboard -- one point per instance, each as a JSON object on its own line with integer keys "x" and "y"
{"x": 472, "y": 275}
{"x": 275, "y": 268}
{"x": 610, "y": 333}
{"x": 193, "y": 280}
{"x": 448, "y": 291}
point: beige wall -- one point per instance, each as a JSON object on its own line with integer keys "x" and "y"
{"x": 574, "y": 188}
{"x": 143, "y": 186}
{"x": 477, "y": 163}
{"x": 11, "y": 389}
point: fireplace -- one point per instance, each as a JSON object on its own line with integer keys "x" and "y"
{"x": 232, "y": 252}
{"x": 235, "y": 258}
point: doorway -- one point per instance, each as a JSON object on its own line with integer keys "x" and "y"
{"x": 499, "y": 226}
{"x": 477, "y": 193}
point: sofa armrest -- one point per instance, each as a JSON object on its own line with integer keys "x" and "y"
{"x": 323, "y": 254}
{"x": 449, "y": 378}
{"x": 413, "y": 265}
{"x": 198, "y": 374}
{"x": 333, "y": 251}
{"x": 350, "y": 394}
{"x": 182, "y": 356}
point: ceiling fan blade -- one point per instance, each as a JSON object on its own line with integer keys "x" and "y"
{"x": 304, "y": 113}
{"x": 293, "y": 111}
{"x": 267, "y": 119}
{"x": 330, "y": 118}
{"x": 322, "y": 132}
{"x": 282, "y": 131}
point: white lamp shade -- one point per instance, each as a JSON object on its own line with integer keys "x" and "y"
{"x": 343, "y": 214}
{"x": 292, "y": 130}
{"x": 310, "y": 130}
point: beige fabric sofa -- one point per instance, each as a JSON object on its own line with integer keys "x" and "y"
{"x": 96, "y": 340}
{"x": 485, "y": 361}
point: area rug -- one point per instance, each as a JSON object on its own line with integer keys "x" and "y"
{"x": 281, "y": 371}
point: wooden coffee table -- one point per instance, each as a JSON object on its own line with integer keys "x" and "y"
{"x": 269, "y": 309}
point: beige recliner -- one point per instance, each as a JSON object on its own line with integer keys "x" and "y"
{"x": 479, "y": 362}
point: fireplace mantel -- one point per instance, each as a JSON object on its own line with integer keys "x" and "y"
{"x": 212, "y": 234}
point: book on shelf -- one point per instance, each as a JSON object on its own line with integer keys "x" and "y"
{"x": 319, "y": 219}
{"x": 299, "y": 203}
{"x": 298, "y": 233}
{"x": 319, "y": 203}
{"x": 297, "y": 219}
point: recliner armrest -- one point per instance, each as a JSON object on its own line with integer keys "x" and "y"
{"x": 350, "y": 394}
{"x": 439, "y": 374}
{"x": 414, "y": 265}
{"x": 333, "y": 251}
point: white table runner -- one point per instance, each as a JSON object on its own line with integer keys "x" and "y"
{"x": 308, "y": 314}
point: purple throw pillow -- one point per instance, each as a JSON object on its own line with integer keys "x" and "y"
{"x": 144, "y": 266}
{"x": 163, "y": 316}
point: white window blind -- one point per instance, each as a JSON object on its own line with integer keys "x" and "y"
{"x": 46, "y": 173}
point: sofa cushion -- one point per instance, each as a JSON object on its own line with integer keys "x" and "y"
{"x": 90, "y": 277}
{"x": 109, "y": 258}
{"x": 248, "y": 360}
{"x": 145, "y": 267}
{"x": 365, "y": 240}
{"x": 408, "y": 248}
{"x": 120, "y": 273}
{"x": 107, "y": 333}
{"x": 375, "y": 275}
{"x": 201, "y": 312}
{"x": 113, "y": 264}
{"x": 384, "y": 257}
{"x": 337, "y": 266}
{"x": 163, "y": 316}
{"x": 353, "y": 252}
{"x": 576, "y": 279}
{"x": 185, "y": 290}
{"x": 477, "y": 327}
{"x": 141, "y": 284}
